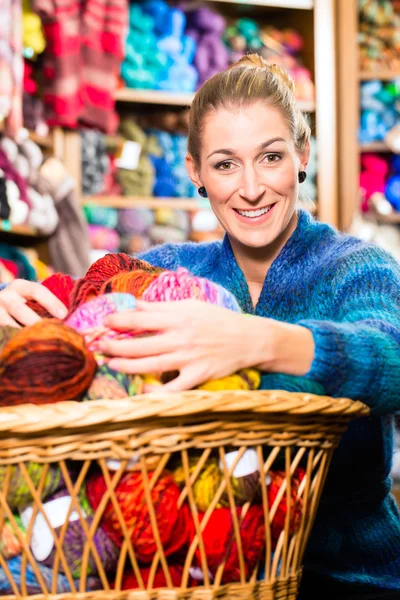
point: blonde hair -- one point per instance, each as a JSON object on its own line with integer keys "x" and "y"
{"x": 249, "y": 80}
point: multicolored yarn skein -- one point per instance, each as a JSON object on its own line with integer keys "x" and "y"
{"x": 45, "y": 362}
{"x": 171, "y": 522}
{"x": 18, "y": 492}
{"x": 129, "y": 581}
{"x": 42, "y": 542}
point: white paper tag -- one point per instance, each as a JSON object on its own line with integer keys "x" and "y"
{"x": 247, "y": 465}
{"x": 130, "y": 155}
{"x": 42, "y": 541}
{"x": 197, "y": 573}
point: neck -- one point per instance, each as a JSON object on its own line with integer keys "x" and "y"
{"x": 255, "y": 262}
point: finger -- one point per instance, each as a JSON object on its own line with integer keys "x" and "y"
{"x": 164, "y": 307}
{"x": 137, "y": 321}
{"x": 6, "y": 319}
{"x": 22, "y": 313}
{"x": 139, "y": 347}
{"x": 158, "y": 364}
{"x": 46, "y": 299}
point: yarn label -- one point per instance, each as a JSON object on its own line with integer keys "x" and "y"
{"x": 42, "y": 541}
{"x": 246, "y": 465}
{"x": 129, "y": 156}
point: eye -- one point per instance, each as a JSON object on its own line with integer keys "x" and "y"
{"x": 272, "y": 157}
{"x": 225, "y": 165}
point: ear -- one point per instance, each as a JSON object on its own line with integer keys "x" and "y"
{"x": 193, "y": 171}
{"x": 304, "y": 157}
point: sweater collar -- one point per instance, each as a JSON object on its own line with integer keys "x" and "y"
{"x": 291, "y": 254}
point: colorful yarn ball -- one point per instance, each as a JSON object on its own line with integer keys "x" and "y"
{"x": 74, "y": 542}
{"x": 113, "y": 385}
{"x": 102, "y": 271}
{"x": 103, "y": 238}
{"x": 60, "y": 285}
{"x": 244, "y": 482}
{"x": 296, "y": 508}
{"x": 135, "y": 220}
{"x": 181, "y": 285}
{"x": 45, "y": 362}
{"x": 130, "y": 582}
{"x": 89, "y": 320}
{"x": 18, "y": 493}
{"x": 10, "y": 545}
{"x": 101, "y": 215}
{"x": 245, "y": 379}
{"x": 6, "y": 333}
{"x": 20, "y": 572}
{"x": 220, "y": 543}
{"x": 131, "y": 498}
{"x": 135, "y": 283}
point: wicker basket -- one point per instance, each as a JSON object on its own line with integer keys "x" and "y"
{"x": 294, "y": 429}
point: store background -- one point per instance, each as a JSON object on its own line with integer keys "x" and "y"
{"x": 94, "y": 123}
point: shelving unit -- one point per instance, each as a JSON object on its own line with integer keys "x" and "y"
{"x": 349, "y": 81}
{"x": 299, "y": 4}
{"x": 20, "y": 230}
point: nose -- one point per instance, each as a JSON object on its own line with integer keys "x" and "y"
{"x": 251, "y": 187}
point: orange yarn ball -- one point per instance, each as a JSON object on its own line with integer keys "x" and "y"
{"x": 133, "y": 283}
{"x": 45, "y": 362}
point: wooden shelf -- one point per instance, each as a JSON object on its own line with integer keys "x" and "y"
{"x": 173, "y": 99}
{"x": 380, "y": 75}
{"x": 22, "y": 230}
{"x": 374, "y": 147}
{"x": 147, "y": 202}
{"x": 40, "y": 140}
{"x": 302, "y": 4}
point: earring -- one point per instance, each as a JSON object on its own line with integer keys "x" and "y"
{"x": 302, "y": 176}
{"x": 202, "y": 192}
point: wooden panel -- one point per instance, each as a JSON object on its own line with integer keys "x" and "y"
{"x": 326, "y": 110}
{"x": 381, "y": 75}
{"x": 349, "y": 112}
{"x": 301, "y": 4}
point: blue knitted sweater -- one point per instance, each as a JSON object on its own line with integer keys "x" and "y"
{"x": 348, "y": 294}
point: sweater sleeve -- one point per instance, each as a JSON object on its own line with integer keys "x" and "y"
{"x": 357, "y": 352}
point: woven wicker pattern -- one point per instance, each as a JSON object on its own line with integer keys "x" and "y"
{"x": 287, "y": 431}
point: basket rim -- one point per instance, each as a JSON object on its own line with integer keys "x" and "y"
{"x": 28, "y": 418}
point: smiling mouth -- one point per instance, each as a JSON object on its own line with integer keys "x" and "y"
{"x": 252, "y": 214}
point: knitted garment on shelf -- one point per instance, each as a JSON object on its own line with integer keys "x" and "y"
{"x": 347, "y": 293}
{"x": 82, "y": 60}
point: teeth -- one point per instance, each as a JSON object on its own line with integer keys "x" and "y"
{"x": 254, "y": 213}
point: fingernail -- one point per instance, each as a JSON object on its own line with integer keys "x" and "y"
{"x": 62, "y": 313}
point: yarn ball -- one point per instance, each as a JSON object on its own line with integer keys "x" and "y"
{"x": 296, "y": 508}
{"x": 130, "y": 582}
{"x": 113, "y": 385}
{"x": 18, "y": 494}
{"x": 131, "y": 498}
{"x": 135, "y": 220}
{"x": 60, "y": 285}
{"x": 220, "y": 543}
{"x": 101, "y": 271}
{"x": 42, "y": 541}
{"x": 45, "y": 362}
{"x": 245, "y": 379}
{"x": 135, "y": 283}
{"x": 18, "y": 572}
{"x": 9, "y": 543}
{"x": 181, "y": 285}
{"x": 101, "y": 215}
{"x": 103, "y": 238}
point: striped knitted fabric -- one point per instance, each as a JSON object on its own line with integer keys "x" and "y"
{"x": 85, "y": 42}
{"x": 348, "y": 294}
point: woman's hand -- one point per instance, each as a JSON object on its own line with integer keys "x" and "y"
{"x": 199, "y": 340}
{"x": 13, "y": 309}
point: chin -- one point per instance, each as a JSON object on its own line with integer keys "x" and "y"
{"x": 254, "y": 239}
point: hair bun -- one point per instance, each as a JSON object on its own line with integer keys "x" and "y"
{"x": 256, "y": 61}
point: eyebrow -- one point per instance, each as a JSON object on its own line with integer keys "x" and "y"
{"x": 230, "y": 152}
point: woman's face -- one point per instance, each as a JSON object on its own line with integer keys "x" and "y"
{"x": 249, "y": 167}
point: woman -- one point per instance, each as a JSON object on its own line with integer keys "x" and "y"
{"x": 324, "y": 314}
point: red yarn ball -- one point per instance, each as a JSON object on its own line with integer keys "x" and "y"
{"x": 219, "y": 542}
{"x": 61, "y": 286}
{"x": 129, "y": 581}
{"x": 131, "y": 497}
{"x": 278, "y": 522}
